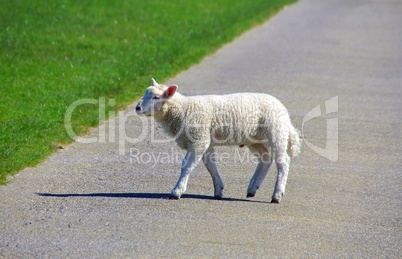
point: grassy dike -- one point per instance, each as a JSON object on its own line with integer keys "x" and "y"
{"x": 53, "y": 53}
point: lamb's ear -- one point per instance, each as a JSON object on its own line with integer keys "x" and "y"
{"x": 154, "y": 83}
{"x": 170, "y": 91}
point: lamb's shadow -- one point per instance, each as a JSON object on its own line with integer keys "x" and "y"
{"x": 141, "y": 196}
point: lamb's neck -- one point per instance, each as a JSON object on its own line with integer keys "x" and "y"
{"x": 172, "y": 114}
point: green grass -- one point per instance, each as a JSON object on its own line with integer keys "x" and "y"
{"x": 53, "y": 53}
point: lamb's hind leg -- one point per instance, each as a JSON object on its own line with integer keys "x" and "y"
{"x": 209, "y": 161}
{"x": 282, "y": 163}
{"x": 265, "y": 161}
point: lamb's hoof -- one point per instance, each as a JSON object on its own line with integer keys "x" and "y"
{"x": 218, "y": 197}
{"x": 275, "y": 201}
{"x": 172, "y": 197}
{"x": 249, "y": 195}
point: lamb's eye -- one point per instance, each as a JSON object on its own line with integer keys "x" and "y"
{"x": 155, "y": 98}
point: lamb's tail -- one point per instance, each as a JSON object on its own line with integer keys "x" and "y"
{"x": 294, "y": 142}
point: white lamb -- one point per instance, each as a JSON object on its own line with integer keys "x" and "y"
{"x": 199, "y": 123}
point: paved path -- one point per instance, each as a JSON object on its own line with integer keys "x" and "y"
{"x": 89, "y": 201}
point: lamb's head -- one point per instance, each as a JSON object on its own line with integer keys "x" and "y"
{"x": 154, "y": 97}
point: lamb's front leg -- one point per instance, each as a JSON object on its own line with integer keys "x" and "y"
{"x": 190, "y": 161}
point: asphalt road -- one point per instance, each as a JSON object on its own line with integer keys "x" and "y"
{"x": 344, "y": 198}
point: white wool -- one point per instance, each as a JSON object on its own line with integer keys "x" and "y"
{"x": 258, "y": 121}
{"x": 235, "y": 119}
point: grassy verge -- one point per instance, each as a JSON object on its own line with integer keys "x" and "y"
{"x": 53, "y": 53}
